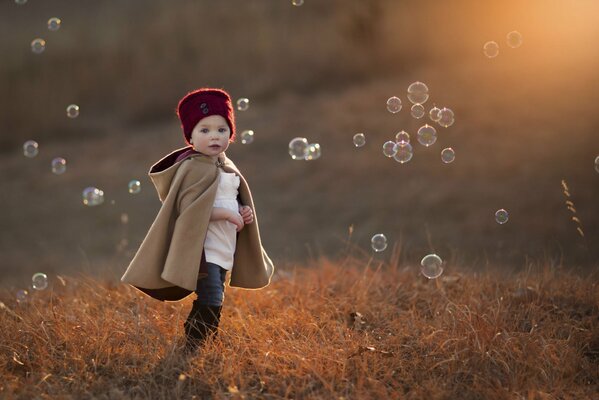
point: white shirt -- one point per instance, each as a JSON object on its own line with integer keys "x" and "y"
{"x": 221, "y": 238}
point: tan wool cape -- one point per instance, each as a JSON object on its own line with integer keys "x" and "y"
{"x": 167, "y": 263}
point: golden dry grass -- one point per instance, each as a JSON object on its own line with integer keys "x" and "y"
{"x": 348, "y": 329}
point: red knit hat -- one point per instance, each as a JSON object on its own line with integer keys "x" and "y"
{"x": 202, "y": 103}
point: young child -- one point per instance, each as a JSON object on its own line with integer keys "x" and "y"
{"x": 207, "y": 224}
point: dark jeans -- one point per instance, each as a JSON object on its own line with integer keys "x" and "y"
{"x": 211, "y": 288}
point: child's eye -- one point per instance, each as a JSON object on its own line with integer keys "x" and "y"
{"x": 222, "y": 130}
{"x": 204, "y": 130}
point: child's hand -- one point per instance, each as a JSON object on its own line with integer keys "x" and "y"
{"x": 236, "y": 219}
{"x": 247, "y": 214}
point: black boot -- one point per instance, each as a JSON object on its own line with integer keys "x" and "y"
{"x": 202, "y": 322}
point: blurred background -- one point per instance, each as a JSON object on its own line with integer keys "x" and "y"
{"x": 525, "y": 121}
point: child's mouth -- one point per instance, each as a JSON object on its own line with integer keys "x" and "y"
{"x": 215, "y": 146}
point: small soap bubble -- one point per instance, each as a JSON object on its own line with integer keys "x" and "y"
{"x": 30, "y": 148}
{"x": 124, "y": 218}
{"x": 427, "y": 135}
{"x": 394, "y": 104}
{"x": 491, "y": 49}
{"x": 54, "y": 24}
{"x": 402, "y": 136}
{"x": 73, "y": 111}
{"x": 431, "y": 266}
{"x": 92, "y": 196}
{"x": 447, "y": 155}
{"x": 297, "y": 3}
{"x": 20, "y": 2}
{"x": 446, "y": 117}
{"x": 247, "y": 136}
{"x": 434, "y": 114}
{"x": 418, "y": 93}
{"x": 597, "y": 164}
{"x": 38, "y": 45}
{"x": 22, "y": 296}
{"x": 134, "y": 186}
{"x": 359, "y": 139}
{"x": 59, "y": 165}
{"x": 243, "y": 104}
{"x": 313, "y": 151}
{"x": 389, "y": 149}
{"x": 514, "y": 39}
{"x": 39, "y": 281}
{"x": 403, "y": 152}
{"x": 378, "y": 242}
{"x": 417, "y": 111}
{"x": 298, "y": 147}
{"x": 501, "y": 216}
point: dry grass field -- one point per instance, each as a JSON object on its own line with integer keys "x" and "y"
{"x": 514, "y": 316}
{"x": 353, "y": 329}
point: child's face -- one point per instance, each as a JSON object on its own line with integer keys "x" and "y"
{"x": 211, "y": 136}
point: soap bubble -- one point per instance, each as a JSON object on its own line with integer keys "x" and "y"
{"x": 38, "y": 45}
{"x": 20, "y": 2}
{"x": 298, "y": 147}
{"x": 417, "y": 111}
{"x": 378, "y": 242}
{"x": 402, "y": 136}
{"x": 54, "y": 24}
{"x": 243, "y": 104}
{"x": 313, "y": 151}
{"x": 427, "y": 135}
{"x": 389, "y": 149}
{"x": 134, "y": 186}
{"x": 359, "y": 140}
{"x": 22, "y": 296}
{"x": 124, "y": 218}
{"x": 434, "y": 114}
{"x": 501, "y": 216}
{"x": 446, "y": 117}
{"x": 73, "y": 111}
{"x": 447, "y": 155}
{"x": 297, "y": 2}
{"x": 403, "y": 152}
{"x": 59, "y": 165}
{"x": 431, "y": 266}
{"x": 394, "y": 104}
{"x": 247, "y": 136}
{"x": 92, "y": 196}
{"x": 597, "y": 164}
{"x": 39, "y": 281}
{"x": 491, "y": 49}
{"x": 514, "y": 39}
{"x": 30, "y": 148}
{"x": 418, "y": 93}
